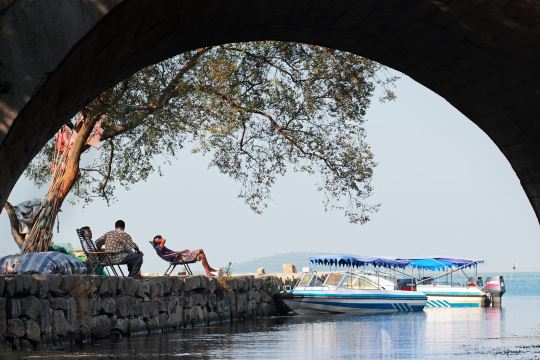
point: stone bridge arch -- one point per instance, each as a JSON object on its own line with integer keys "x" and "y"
{"x": 481, "y": 56}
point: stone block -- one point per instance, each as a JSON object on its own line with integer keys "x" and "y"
{"x": 177, "y": 285}
{"x": 20, "y": 285}
{"x": 211, "y": 300}
{"x": 2, "y": 285}
{"x": 127, "y": 286}
{"x": 107, "y": 286}
{"x": 289, "y": 268}
{"x": 241, "y": 303}
{"x": 3, "y": 319}
{"x": 42, "y": 286}
{"x": 71, "y": 312}
{"x": 100, "y": 306}
{"x": 13, "y": 308}
{"x": 32, "y": 331}
{"x": 174, "y": 304}
{"x": 163, "y": 305}
{"x": 192, "y": 283}
{"x": 140, "y": 290}
{"x": 175, "y": 319}
{"x": 84, "y": 329}
{"x": 24, "y": 345}
{"x": 257, "y": 284}
{"x": 59, "y": 303}
{"x": 45, "y": 319}
{"x": 198, "y": 299}
{"x": 154, "y": 289}
{"x": 148, "y": 310}
{"x": 212, "y": 285}
{"x": 15, "y": 329}
{"x": 213, "y": 317}
{"x": 153, "y": 325}
{"x": 61, "y": 327}
{"x": 167, "y": 283}
{"x": 120, "y": 324}
{"x": 67, "y": 284}
{"x": 100, "y": 326}
{"x": 27, "y": 306}
{"x": 30, "y": 307}
{"x": 127, "y": 306}
{"x": 55, "y": 285}
{"x": 260, "y": 271}
{"x": 137, "y": 326}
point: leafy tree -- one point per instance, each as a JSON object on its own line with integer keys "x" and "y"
{"x": 256, "y": 109}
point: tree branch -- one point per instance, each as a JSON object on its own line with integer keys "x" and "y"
{"x": 14, "y": 224}
{"x": 277, "y": 127}
{"x": 103, "y": 185}
{"x": 170, "y": 91}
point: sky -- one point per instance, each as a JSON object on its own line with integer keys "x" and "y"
{"x": 445, "y": 190}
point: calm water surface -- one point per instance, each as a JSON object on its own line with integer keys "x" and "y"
{"x": 512, "y": 331}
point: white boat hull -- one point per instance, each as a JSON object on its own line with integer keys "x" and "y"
{"x": 453, "y": 297}
{"x": 355, "y": 302}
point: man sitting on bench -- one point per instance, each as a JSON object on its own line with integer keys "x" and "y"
{"x": 187, "y": 256}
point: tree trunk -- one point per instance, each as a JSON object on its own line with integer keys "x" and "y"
{"x": 14, "y": 224}
{"x": 41, "y": 234}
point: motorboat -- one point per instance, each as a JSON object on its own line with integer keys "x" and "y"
{"x": 447, "y": 284}
{"x": 352, "y": 291}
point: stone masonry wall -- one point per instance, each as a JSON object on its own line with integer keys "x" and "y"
{"x": 37, "y": 311}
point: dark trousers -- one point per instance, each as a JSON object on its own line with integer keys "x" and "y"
{"x": 134, "y": 262}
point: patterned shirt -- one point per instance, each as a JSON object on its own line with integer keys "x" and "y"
{"x": 117, "y": 242}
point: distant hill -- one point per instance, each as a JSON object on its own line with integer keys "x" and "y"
{"x": 273, "y": 263}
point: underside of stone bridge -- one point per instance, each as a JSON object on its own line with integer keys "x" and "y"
{"x": 481, "y": 56}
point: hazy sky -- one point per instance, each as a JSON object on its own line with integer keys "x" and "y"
{"x": 445, "y": 190}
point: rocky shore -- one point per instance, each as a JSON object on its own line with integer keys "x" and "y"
{"x": 40, "y": 311}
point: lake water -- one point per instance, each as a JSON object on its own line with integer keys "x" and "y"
{"x": 512, "y": 331}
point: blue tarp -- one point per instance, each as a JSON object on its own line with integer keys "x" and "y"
{"x": 432, "y": 264}
{"x": 49, "y": 262}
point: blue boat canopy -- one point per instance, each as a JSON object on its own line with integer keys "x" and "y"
{"x": 441, "y": 263}
{"x": 431, "y": 264}
{"x": 358, "y": 261}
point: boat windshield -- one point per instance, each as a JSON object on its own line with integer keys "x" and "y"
{"x": 310, "y": 280}
{"x": 353, "y": 281}
{"x": 304, "y": 281}
{"x": 333, "y": 279}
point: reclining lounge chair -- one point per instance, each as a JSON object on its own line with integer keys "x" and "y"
{"x": 174, "y": 259}
{"x": 97, "y": 259}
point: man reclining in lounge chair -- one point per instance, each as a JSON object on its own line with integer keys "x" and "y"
{"x": 186, "y": 255}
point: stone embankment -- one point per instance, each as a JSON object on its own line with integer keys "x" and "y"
{"x": 38, "y": 311}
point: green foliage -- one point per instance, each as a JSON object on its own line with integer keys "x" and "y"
{"x": 256, "y": 109}
{"x": 225, "y": 276}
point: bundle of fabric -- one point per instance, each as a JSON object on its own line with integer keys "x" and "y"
{"x": 50, "y": 262}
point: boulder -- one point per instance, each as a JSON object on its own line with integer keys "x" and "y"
{"x": 289, "y": 268}
{"x": 3, "y": 319}
{"x": 120, "y": 324}
{"x": 100, "y": 326}
{"x": 198, "y": 299}
{"x": 149, "y": 310}
{"x": 61, "y": 327}
{"x": 127, "y": 306}
{"x": 42, "y": 285}
{"x": 137, "y": 326}
{"x": 32, "y": 331}
{"x": 55, "y": 282}
{"x": 20, "y": 285}
{"x": 175, "y": 319}
{"x": 15, "y": 328}
{"x": 45, "y": 319}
